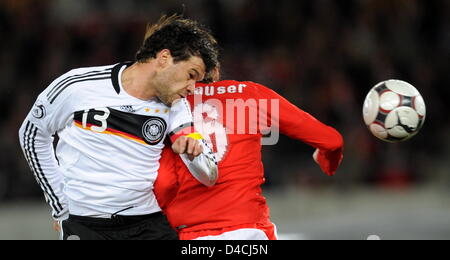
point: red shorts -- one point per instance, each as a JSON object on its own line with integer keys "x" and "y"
{"x": 239, "y": 232}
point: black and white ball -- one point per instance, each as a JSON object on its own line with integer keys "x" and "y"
{"x": 394, "y": 111}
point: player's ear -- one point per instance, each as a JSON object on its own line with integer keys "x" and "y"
{"x": 164, "y": 58}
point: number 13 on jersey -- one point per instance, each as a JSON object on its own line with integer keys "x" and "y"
{"x": 102, "y": 118}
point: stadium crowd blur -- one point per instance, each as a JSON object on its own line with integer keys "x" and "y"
{"x": 322, "y": 55}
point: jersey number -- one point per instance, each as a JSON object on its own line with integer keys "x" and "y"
{"x": 207, "y": 123}
{"x": 100, "y": 118}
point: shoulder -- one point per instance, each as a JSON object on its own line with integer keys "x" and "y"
{"x": 254, "y": 85}
{"x": 246, "y": 87}
{"x": 63, "y": 86}
{"x": 237, "y": 89}
{"x": 225, "y": 86}
{"x": 249, "y": 84}
{"x": 83, "y": 73}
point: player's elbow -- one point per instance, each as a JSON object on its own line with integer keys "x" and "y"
{"x": 336, "y": 141}
{"x": 213, "y": 176}
{"x": 204, "y": 169}
{"x": 21, "y": 135}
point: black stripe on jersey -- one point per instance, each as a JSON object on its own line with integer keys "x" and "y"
{"x": 58, "y": 207}
{"x": 27, "y": 151}
{"x": 150, "y": 129}
{"x": 181, "y": 127}
{"x": 115, "y": 75}
{"x": 91, "y": 78}
{"x": 33, "y": 161}
{"x": 75, "y": 77}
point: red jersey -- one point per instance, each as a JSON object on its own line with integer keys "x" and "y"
{"x": 233, "y": 117}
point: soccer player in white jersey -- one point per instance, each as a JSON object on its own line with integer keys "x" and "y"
{"x": 112, "y": 122}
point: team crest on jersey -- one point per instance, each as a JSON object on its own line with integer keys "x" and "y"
{"x": 38, "y": 111}
{"x": 154, "y": 130}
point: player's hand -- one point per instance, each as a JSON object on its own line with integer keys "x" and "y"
{"x": 187, "y": 145}
{"x": 315, "y": 156}
{"x": 329, "y": 161}
{"x": 56, "y": 226}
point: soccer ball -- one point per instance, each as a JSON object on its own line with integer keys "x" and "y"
{"x": 394, "y": 111}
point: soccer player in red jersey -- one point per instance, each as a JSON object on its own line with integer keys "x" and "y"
{"x": 234, "y": 118}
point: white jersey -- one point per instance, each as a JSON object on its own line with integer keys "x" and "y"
{"x": 110, "y": 143}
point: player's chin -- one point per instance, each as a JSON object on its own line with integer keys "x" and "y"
{"x": 173, "y": 100}
{"x": 168, "y": 100}
{"x": 177, "y": 98}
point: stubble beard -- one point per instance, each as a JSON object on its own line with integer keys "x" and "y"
{"x": 165, "y": 97}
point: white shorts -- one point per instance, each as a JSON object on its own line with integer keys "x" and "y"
{"x": 268, "y": 232}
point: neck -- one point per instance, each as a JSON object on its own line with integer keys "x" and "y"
{"x": 135, "y": 81}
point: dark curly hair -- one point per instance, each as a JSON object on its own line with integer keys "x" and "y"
{"x": 183, "y": 37}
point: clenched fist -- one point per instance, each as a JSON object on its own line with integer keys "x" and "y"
{"x": 187, "y": 145}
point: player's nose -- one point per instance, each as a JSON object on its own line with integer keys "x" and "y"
{"x": 191, "y": 87}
